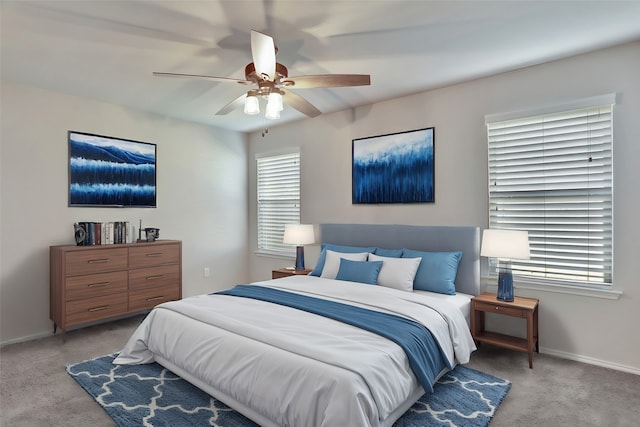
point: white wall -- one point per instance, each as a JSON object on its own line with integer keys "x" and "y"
{"x": 590, "y": 329}
{"x": 202, "y": 196}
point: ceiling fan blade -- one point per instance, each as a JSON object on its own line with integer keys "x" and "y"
{"x": 263, "y": 51}
{"x": 329, "y": 80}
{"x": 236, "y": 103}
{"x": 299, "y": 103}
{"x": 196, "y": 76}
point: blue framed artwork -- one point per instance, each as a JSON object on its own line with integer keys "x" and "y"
{"x": 394, "y": 168}
{"x": 106, "y": 171}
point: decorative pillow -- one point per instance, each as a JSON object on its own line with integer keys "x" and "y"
{"x": 437, "y": 271}
{"x": 397, "y": 273}
{"x": 359, "y": 271}
{"x": 332, "y": 262}
{"x": 317, "y": 270}
{"x": 390, "y": 253}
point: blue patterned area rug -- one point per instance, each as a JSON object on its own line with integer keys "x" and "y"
{"x": 149, "y": 395}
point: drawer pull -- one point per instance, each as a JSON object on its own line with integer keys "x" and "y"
{"x": 155, "y": 254}
{"x": 159, "y": 276}
{"x": 497, "y": 308}
{"x": 155, "y": 298}
{"x": 95, "y": 285}
{"x": 104, "y": 307}
{"x": 98, "y": 261}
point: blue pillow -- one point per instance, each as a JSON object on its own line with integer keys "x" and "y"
{"x": 437, "y": 271}
{"x": 359, "y": 271}
{"x": 317, "y": 270}
{"x": 389, "y": 253}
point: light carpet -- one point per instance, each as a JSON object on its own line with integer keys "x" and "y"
{"x": 150, "y": 395}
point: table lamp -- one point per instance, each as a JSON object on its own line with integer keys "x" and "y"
{"x": 299, "y": 235}
{"x": 505, "y": 245}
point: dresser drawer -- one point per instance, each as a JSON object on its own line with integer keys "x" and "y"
{"x": 89, "y": 310}
{"x": 147, "y": 278}
{"x": 95, "y": 261}
{"x": 95, "y": 285}
{"x": 146, "y": 299}
{"x": 497, "y": 308}
{"x": 153, "y": 255}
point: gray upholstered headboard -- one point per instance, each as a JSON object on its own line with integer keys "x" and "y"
{"x": 417, "y": 237}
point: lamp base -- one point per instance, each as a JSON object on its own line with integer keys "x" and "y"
{"x": 505, "y": 286}
{"x": 299, "y": 258}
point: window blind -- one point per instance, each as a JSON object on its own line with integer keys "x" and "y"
{"x": 278, "y": 189}
{"x": 551, "y": 175}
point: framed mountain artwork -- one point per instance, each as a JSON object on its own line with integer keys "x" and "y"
{"x": 111, "y": 172}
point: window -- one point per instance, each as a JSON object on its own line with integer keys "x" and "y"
{"x": 551, "y": 174}
{"x": 278, "y": 200}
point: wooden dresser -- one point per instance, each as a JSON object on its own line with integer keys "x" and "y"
{"x": 90, "y": 283}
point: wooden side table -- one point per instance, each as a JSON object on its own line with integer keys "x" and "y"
{"x": 526, "y": 308}
{"x": 285, "y": 272}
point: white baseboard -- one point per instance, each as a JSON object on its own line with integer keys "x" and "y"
{"x": 27, "y": 338}
{"x": 590, "y": 360}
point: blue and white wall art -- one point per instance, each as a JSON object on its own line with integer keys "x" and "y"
{"x": 394, "y": 168}
{"x": 105, "y": 171}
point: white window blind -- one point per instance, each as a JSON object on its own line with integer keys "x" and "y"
{"x": 551, "y": 175}
{"x": 278, "y": 200}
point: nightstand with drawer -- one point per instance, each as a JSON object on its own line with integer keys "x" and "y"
{"x": 526, "y": 308}
{"x": 286, "y": 272}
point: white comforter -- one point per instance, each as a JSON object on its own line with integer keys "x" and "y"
{"x": 295, "y": 368}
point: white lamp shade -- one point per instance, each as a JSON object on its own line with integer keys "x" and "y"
{"x": 251, "y": 105}
{"x": 276, "y": 99}
{"x": 274, "y": 106}
{"x": 298, "y": 234}
{"x": 506, "y": 244}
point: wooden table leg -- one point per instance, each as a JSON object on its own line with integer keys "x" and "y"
{"x": 535, "y": 330}
{"x": 530, "y": 338}
{"x": 477, "y": 324}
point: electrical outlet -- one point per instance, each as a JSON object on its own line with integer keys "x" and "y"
{"x": 206, "y": 272}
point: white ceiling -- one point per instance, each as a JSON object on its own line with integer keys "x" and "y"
{"x": 107, "y": 50}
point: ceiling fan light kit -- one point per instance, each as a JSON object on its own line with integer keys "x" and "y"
{"x": 273, "y": 81}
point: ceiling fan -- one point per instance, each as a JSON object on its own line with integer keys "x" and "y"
{"x": 272, "y": 80}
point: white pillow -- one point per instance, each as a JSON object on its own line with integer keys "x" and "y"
{"x": 397, "y": 273}
{"x": 332, "y": 262}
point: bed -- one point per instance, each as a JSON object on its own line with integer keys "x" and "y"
{"x": 305, "y": 351}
